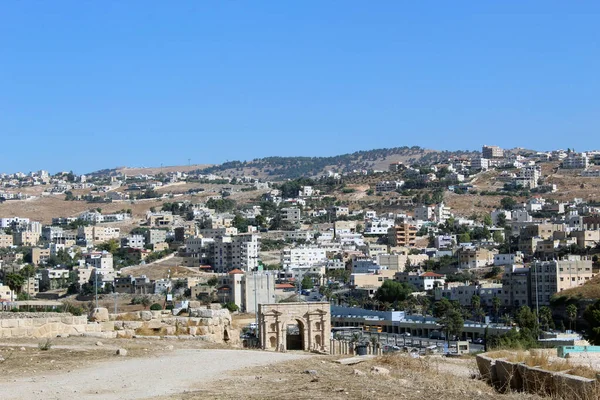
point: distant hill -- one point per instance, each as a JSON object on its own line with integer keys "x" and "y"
{"x": 294, "y": 167}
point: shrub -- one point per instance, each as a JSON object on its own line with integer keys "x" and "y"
{"x": 45, "y": 346}
{"x": 156, "y": 307}
{"x": 231, "y": 306}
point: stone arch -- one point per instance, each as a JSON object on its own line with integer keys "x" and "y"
{"x": 310, "y": 325}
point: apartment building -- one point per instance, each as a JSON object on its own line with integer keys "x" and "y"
{"x": 422, "y": 281}
{"x": 231, "y": 252}
{"x": 302, "y": 256}
{"x": 26, "y": 238}
{"x": 479, "y": 163}
{"x": 290, "y": 214}
{"x": 388, "y": 186}
{"x": 475, "y": 258}
{"x": 508, "y": 259}
{"x": 515, "y": 286}
{"x": 586, "y": 238}
{"x": 423, "y": 213}
{"x": 403, "y": 235}
{"x": 576, "y": 161}
{"x": 247, "y": 289}
{"x": 153, "y": 236}
{"x": 6, "y": 240}
{"x": 162, "y": 218}
{"x": 100, "y": 260}
{"x": 97, "y": 234}
{"x": 550, "y": 277}
{"x": 39, "y": 255}
{"x": 492, "y": 152}
{"x": 133, "y": 242}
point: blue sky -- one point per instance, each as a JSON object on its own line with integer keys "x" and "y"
{"x": 90, "y": 85}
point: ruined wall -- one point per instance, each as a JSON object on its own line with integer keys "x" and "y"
{"x": 204, "y": 324}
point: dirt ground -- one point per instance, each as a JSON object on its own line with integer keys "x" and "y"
{"x": 80, "y": 368}
{"x": 320, "y": 378}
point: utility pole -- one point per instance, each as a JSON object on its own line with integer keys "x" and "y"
{"x": 96, "y": 285}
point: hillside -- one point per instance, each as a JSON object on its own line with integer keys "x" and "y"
{"x": 275, "y": 168}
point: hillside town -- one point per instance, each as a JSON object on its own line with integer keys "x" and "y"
{"x": 299, "y": 239}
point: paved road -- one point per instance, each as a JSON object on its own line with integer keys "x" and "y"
{"x": 138, "y": 378}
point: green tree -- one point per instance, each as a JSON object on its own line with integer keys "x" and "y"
{"x": 212, "y": 281}
{"x": 571, "y": 311}
{"x": 452, "y": 323}
{"x": 14, "y": 281}
{"x": 496, "y": 307}
{"x": 441, "y": 307}
{"x": 487, "y": 220}
{"x": 464, "y": 238}
{"x": 592, "y": 316}
{"x": 112, "y": 246}
{"x": 546, "y": 320}
{"x": 497, "y": 236}
{"x": 501, "y": 220}
{"x": 508, "y": 203}
{"x": 307, "y": 282}
{"x": 145, "y": 301}
{"x": 392, "y": 291}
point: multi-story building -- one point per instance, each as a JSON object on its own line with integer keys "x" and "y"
{"x": 576, "y": 161}
{"x": 424, "y": 213}
{"x": 422, "y": 281}
{"x": 550, "y": 277}
{"x": 508, "y": 259}
{"x": 492, "y": 152}
{"x": 528, "y": 177}
{"x": 231, "y": 252}
{"x": 153, "y": 236}
{"x": 97, "y": 234}
{"x": 441, "y": 213}
{"x": 388, "y": 186}
{"x": 39, "y": 255}
{"x": 247, "y": 290}
{"x": 290, "y": 214}
{"x": 26, "y": 238}
{"x": 479, "y": 163}
{"x": 302, "y": 256}
{"x": 162, "y": 218}
{"x": 100, "y": 260}
{"x": 54, "y": 278}
{"x": 133, "y": 242}
{"x": 6, "y": 240}
{"x": 475, "y": 258}
{"x": 515, "y": 286}
{"x": 403, "y": 235}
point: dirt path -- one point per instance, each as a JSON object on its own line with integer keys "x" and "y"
{"x": 139, "y": 378}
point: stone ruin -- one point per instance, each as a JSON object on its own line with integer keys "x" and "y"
{"x": 211, "y": 325}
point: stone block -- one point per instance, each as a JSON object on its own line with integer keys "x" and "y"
{"x": 10, "y": 323}
{"x": 153, "y": 324}
{"x": 118, "y": 324}
{"x": 487, "y": 368}
{"x": 132, "y": 324}
{"x": 193, "y": 330}
{"x": 201, "y": 313}
{"x": 170, "y": 330}
{"x": 107, "y": 326}
{"x": 125, "y": 334}
{"x": 99, "y": 314}
{"x": 156, "y": 314}
{"x": 18, "y": 332}
{"x": 509, "y": 376}
{"x": 576, "y": 387}
{"x": 146, "y": 315}
{"x": 68, "y": 319}
{"x": 5, "y": 333}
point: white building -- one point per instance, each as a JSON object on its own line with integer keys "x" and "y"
{"x": 576, "y": 161}
{"x": 388, "y": 186}
{"x": 302, "y": 256}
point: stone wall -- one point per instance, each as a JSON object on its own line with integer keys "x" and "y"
{"x": 203, "y": 324}
{"x": 41, "y": 325}
{"x": 505, "y": 375}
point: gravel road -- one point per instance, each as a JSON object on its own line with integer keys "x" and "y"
{"x": 139, "y": 378}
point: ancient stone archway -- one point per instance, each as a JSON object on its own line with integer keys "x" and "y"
{"x": 309, "y": 326}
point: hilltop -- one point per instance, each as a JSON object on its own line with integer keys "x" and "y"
{"x": 281, "y": 168}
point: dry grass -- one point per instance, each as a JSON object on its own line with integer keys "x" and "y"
{"x": 408, "y": 379}
{"x": 584, "y": 371}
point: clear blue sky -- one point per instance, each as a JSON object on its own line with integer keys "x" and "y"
{"x": 89, "y": 85}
